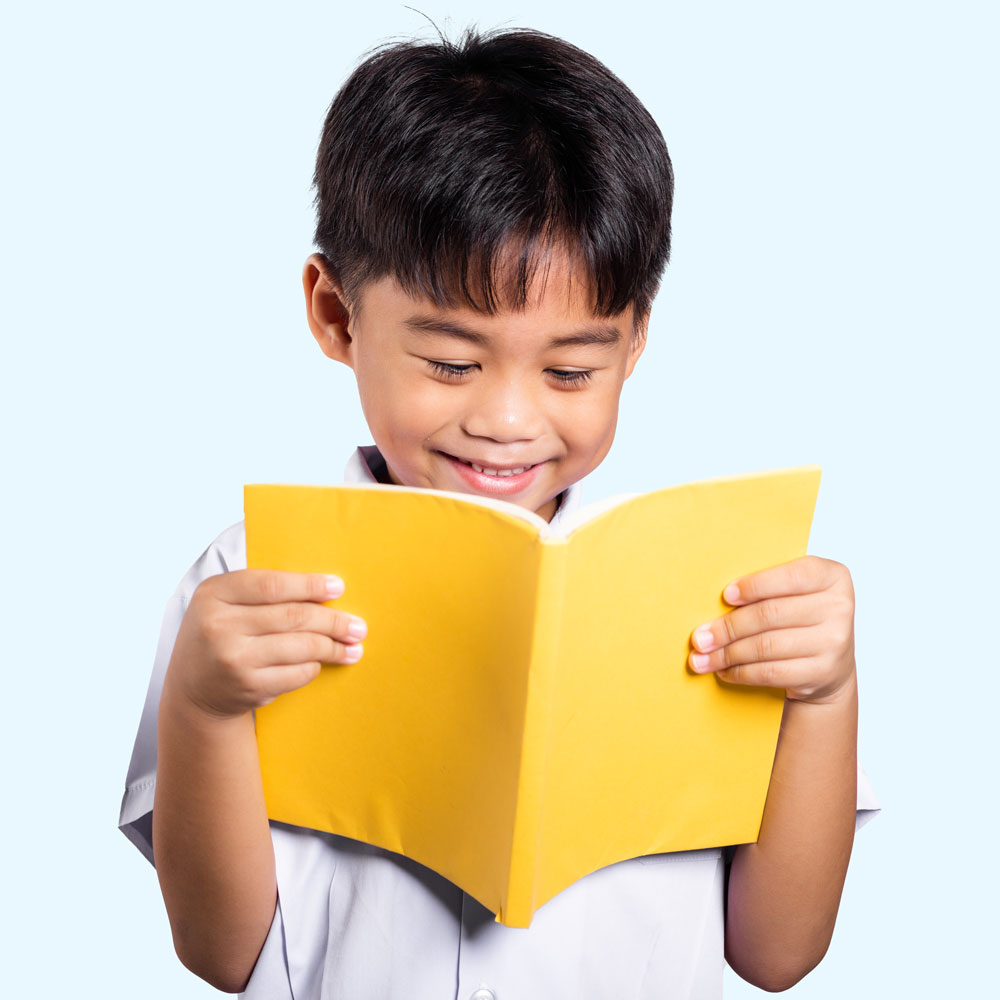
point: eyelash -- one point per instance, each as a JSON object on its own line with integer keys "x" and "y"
{"x": 456, "y": 372}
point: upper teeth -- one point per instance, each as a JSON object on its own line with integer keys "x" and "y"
{"x": 499, "y": 472}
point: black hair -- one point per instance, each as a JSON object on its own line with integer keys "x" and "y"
{"x": 454, "y": 167}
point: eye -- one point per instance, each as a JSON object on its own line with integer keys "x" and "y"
{"x": 572, "y": 377}
{"x": 448, "y": 370}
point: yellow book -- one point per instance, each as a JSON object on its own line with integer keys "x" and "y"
{"x": 523, "y": 714}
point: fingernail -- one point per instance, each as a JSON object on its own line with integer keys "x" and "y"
{"x": 699, "y": 661}
{"x": 357, "y": 629}
{"x": 353, "y": 653}
{"x": 334, "y": 586}
{"x": 703, "y": 638}
{"x": 731, "y": 594}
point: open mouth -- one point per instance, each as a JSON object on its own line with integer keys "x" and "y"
{"x": 499, "y": 479}
{"x": 501, "y": 473}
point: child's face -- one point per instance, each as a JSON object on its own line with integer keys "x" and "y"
{"x": 529, "y": 397}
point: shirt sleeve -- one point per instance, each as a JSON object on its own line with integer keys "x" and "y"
{"x": 227, "y": 552}
{"x": 270, "y": 979}
{"x": 868, "y": 807}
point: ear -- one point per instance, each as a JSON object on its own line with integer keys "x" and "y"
{"x": 327, "y": 312}
{"x": 637, "y": 344}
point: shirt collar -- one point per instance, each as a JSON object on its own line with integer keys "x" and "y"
{"x": 367, "y": 459}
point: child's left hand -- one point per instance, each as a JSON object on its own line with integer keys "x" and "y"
{"x": 792, "y": 627}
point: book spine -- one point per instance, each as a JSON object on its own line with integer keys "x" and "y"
{"x": 519, "y": 905}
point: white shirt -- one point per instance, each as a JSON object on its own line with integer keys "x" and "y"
{"x": 359, "y": 922}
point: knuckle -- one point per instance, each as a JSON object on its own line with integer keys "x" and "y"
{"x": 799, "y": 573}
{"x": 840, "y": 575}
{"x": 209, "y": 585}
{"x": 836, "y": 569}
{"x": 730, "y": 627}
{"x": 228, "y": 657}
{"x": 767, "y": 674}
{"x": 846, "y": 603}
{"x": 201, "y": 600}
{"x": 768, "y": 613}
{"x": 318, "y": 648}
{"x": 841, "y": 612}
{"x": 246, "y": 686}
{"x": 270, "y": 587}
{"x": 299, "y": 647}
{"x": 819, "y": 567}
{"x": 843, "y": 635}
{"x": 212, "y": 628}
{"x": 294, "y": 617}
{"x": 766, "y": 645}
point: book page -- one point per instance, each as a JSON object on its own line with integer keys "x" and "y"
{"x": 417, "y": 747}
{"x": 582, "y": 515}
{"x": 644, "y": 755}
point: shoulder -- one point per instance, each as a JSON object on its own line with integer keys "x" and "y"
{"x": 230, "y": 548}
{"x": 226, "y": 553}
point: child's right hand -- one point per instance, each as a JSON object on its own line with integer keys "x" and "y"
{"x": 252, "y": 634}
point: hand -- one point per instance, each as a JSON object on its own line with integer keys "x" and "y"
{"x": 250, "y": 635}
{"x": 792, "y": 627}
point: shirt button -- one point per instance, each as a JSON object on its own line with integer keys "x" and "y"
{"x": 483, "y": 993}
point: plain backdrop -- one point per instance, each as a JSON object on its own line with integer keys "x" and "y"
{"x": 831, "y": 299}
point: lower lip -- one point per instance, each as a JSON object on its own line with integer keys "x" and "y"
{"x": 498, "y": 486}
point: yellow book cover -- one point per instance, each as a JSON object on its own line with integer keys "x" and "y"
{"x": 523, "y": 714}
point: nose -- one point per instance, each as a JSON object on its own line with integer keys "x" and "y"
{"x": 503, "y": 410}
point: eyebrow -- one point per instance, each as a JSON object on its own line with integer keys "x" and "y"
{"x": 602, "y": 335}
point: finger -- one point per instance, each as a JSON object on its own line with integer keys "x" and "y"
{"x": 273, "y": 681}
{"x": 301, "y": 647}
{"x": 800, "y": 576}
{"x": 267, "y": 586}
{"x": 777, "y": 644}
{"x": 304, "y": 616}
{"x": 770, "y": 673}
{"x": 761, "y": 616}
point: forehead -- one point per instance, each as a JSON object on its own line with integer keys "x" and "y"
{"x": 558, "y": 302}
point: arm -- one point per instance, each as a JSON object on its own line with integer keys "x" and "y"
{"x": 784, "y": 890}
{"x": 213, "y": 845}
{"x": 793, "y": 628}
{"x": 247, "y": 637}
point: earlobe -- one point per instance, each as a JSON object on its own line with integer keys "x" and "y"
{"x": 326, "y": 311}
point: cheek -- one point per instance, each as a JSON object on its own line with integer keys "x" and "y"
{"x": 402, "y": 406}
{"x": 376, "y": 404}
{"x": 589, "y": 427}
{"x": 380, "y": 386}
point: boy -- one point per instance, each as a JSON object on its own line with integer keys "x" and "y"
{"x": 493, "y": 221}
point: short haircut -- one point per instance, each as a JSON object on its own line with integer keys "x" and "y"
{"x": 454, "y": 167}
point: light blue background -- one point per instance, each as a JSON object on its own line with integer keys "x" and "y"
{"x": 832, "y": 299}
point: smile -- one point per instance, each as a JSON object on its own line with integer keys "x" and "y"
{"x": 498, "y": 472}
{"x": 501, "y": 471}
{"x": 496, "y": 479}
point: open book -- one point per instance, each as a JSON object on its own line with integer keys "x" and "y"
{"x": 523, "y": 714}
